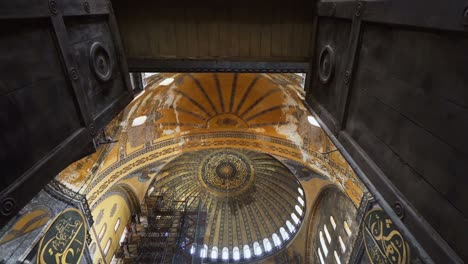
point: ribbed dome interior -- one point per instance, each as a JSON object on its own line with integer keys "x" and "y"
{"x": 250, "y": 199}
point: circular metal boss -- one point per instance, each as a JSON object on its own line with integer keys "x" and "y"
{"x": 326, "y": 66}
{"x": 7, "y": 206}
{"x": 101, "y": 61}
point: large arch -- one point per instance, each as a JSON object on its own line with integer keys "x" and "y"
{"x": 114, "y": 208}
{"x": 332, "y": 227}
{"x": 128, "y": 194}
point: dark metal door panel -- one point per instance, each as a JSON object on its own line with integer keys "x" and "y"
{"x": 402, "y": 116}
{"x": 83, "y": 33}
{"x": 406, "y": 111}
{"x": 55, "y": 91}
{"x": 34, "y": 69}
{"x": 331, "y": 46}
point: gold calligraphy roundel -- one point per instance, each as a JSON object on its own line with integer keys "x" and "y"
{"x": 226, "y": 171}
{"x": 383, "y": 242}
{"x": 64, "y": 240}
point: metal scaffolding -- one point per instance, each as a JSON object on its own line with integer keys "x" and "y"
{"x": 173, "y": 231}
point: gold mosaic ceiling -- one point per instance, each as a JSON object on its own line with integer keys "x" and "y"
{"x": 261, "y": 112}
{"x": 225, "y": 101}
{"x": 249, "y": 197}
{"x": 222, "y": 124}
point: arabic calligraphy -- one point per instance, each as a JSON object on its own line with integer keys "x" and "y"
{"x": 64, "y": 241}
{"x": 384, "y": 243}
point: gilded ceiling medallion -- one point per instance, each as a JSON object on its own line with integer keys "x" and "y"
{"x": 226, "y": 172}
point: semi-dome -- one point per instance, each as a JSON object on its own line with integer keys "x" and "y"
{"x": 254, "y": 205}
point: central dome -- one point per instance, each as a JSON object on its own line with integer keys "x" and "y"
{"x": 251, "y": 204}
{"x": 226, "y": 172}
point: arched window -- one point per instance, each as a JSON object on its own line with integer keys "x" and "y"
{"x": 204, "y": 251}
{"x": 257, "y": 249}
{"x": 107, "y": 247}
{"x": 290, "y": 226}
{"x": 337, "y": 258}
{"x": 332, "y": 221}
{"x": 225, "y": 255}
{"x": 327, "y": 234}
{"x": 138, "y": 121}
{"x": 324, "y": 246}
{"x": 342, "y": 244}
{"x": 276, "y": 240}
{"x": 192, "y": 249}
{"x": 236, "y": 253}
{"x": 166, "y": 81}
{"x": 320, "y": 255}
{"x": 347, "y": 229}
{"x": 150, "y": 191}
{"x": 247, "y": 253}
{"x": 103, "y": 230}
{"x": 300, "y": 191}
{"x": 313, "y": 121}
{"x": 214, "y": 253}
{"x": 299, "y": 199}
{"x": 298, "y": 209}
{"x": 284, "y": 234}
{"x": 117, "y": 224}
{"x": 266, "y": 245}
{"x": 295, "y": 218}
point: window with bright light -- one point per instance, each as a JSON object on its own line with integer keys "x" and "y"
{"x": 150, "y": 191}
{"x": 225, "y": 255}
{"x": 342, "y": 244}
{"x": 320, "y": 255}
{"x": 327, "y": 234}
{"x": 192, "y": 250}
{"x": 167, "y": 81}
{"x": 117, "y": 224}
{"x": 347, "y": 229}
{"x": 290, "y": 226}
{"x": 299, "y": 199}
{"x": 313, "y": 121}
{"x": 123, "y": 236}
{"x": 295, "y": 218}
{"x": 276, "y": 240}
{"x": 332, "y": 221}
{"x": 247, "y": 253}
{"x": 236, "y": 253}
{"x": 337, "y": 258}
{"x": 204, "y": 251}
{"x": 138, "y": 121}
{"x": 284, "y": 234}
{"x": 300, "y": 191}
{"x": 257, "y": 249}
{"x": 298, "y": 209}
{"x": 266, "y": 245}
{"x": 324, "y": 246}
{"x": 214, "y": 253}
